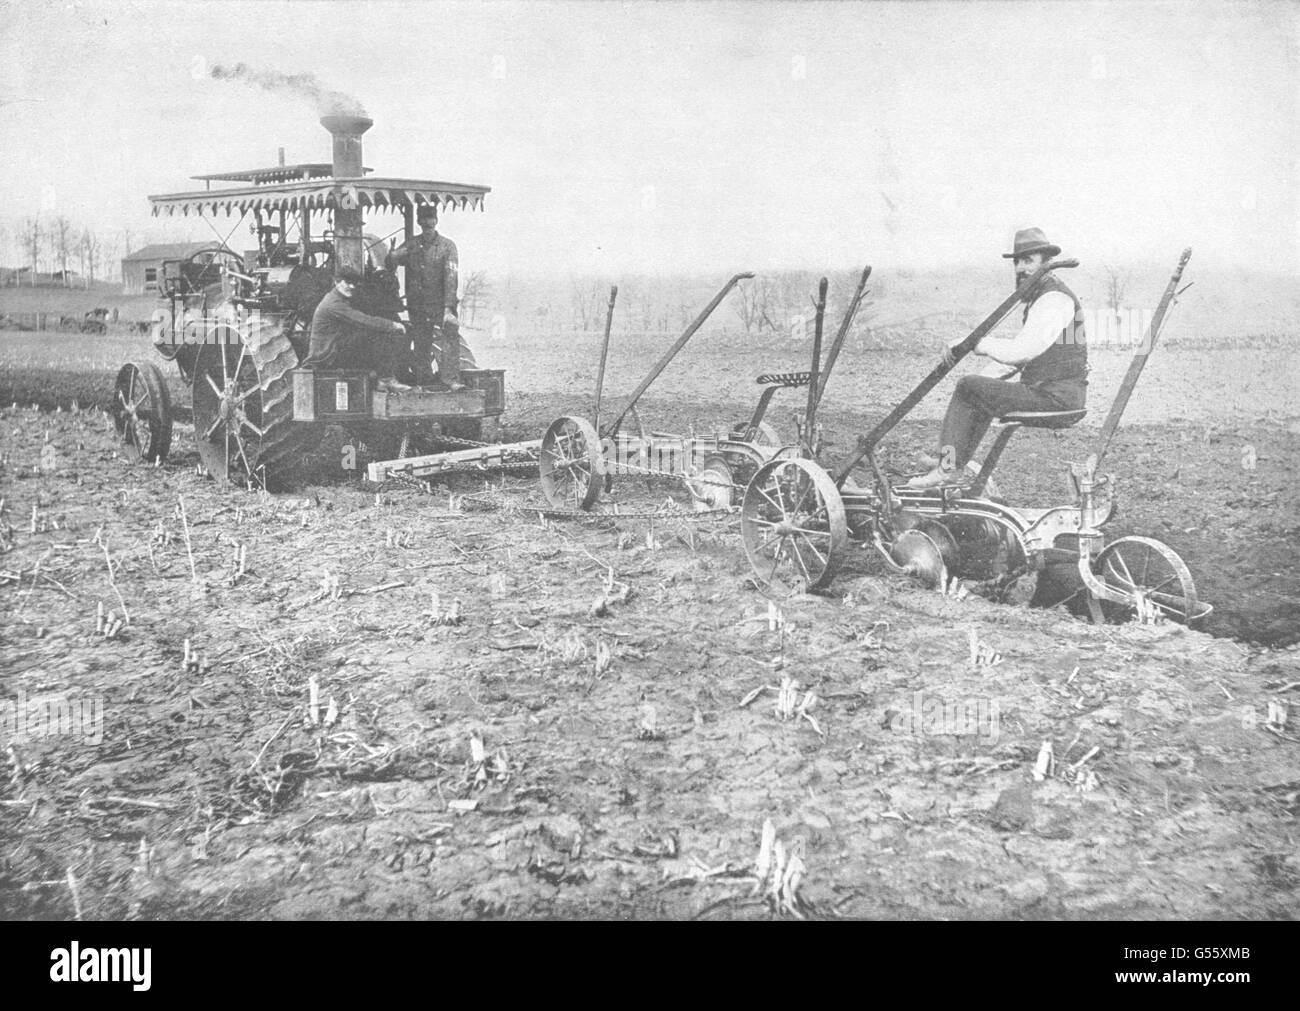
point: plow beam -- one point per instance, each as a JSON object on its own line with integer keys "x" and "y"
{"x": 485, "y": 457}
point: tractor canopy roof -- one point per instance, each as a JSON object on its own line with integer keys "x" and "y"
{"x": 275, "y": 174}
{"x": 313, "y": 187}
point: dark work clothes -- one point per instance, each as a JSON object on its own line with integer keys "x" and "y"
{"x": 1065, "y": 363}
{"x": 979, "y": 399}
{"x": 432, "y": 274}
{"x": 432, "y": 277}
{"x": 343, "y": 337}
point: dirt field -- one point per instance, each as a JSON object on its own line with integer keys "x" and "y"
{"x": 537, "y": 760}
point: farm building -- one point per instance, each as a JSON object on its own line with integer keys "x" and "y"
{"x": 142, "y": 269}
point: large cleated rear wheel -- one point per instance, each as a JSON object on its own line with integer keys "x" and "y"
{"x": 571, "y": 464}
{"x": 243, "y": 418}
{"x": 793, "y": 525}
{"x": 142, "y": 412}
{"x": 1151, "y": 576}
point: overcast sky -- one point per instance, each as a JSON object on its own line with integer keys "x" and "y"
{"x": 696, "y": 136}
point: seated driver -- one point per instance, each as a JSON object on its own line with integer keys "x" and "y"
{"x": 344, "y": 337}
{"x": 1050, "y": 353}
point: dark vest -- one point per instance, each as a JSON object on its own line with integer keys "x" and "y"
{"x": 1066, "y": 361}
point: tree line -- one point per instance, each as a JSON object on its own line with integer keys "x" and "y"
{"x": 58, "y": 247}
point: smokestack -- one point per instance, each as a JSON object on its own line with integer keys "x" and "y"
{"x": 347, "y": 131}
{"x": 348, "y": 225}
{"x": 281, "y": 157}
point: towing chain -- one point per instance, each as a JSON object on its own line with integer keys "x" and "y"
{"x": 669, "y": 511}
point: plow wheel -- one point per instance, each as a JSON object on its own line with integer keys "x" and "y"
{"x": 793, "y": 524}
{"x": 243, "y": 418}
{"x": 142, "y": 412}
{"x": 571, "y": 464}
{"x": 1142, "y": 568}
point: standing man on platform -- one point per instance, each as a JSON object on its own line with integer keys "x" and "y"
{"x": 432, "y": 268}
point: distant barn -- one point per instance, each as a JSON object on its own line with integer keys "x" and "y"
{"x": 143, "y": 268}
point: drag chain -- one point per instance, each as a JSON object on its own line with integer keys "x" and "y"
{"x": 683, "y": 513}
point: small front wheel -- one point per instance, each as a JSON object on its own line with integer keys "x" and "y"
{"x": 571, "y": 464}
{"x": 1152, "y": 578}
{"x": 142, "y": 412}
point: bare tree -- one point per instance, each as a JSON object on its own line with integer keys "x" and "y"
{"x": 33, "y": 239}
{"x": 580, "y": 298}
{"x": 1116, "y": 288}
{"x": 90, "y": 250}
{"x": 477, "y": 292}
{"x": 754, "y": 306}
{"x": 64, "y": 238}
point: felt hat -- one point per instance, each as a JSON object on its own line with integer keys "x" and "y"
{"x": 1031, "y": 240}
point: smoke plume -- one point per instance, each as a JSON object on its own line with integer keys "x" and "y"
{"x": 327, "y": 102}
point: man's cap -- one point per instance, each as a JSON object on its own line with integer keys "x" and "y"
{"x": 349, "y": 274}
{"x": 426, "y": 211}
{"x": 1031, "y": 240}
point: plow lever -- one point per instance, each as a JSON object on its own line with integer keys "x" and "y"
{"x": 671, "y": 353}
{"x": 1147, "y": 345}
{"x": 810, "y": 416}
{"x": 833, "y": 356}
{"x": 868, "y": 442}
{"x": 604, "y": 354}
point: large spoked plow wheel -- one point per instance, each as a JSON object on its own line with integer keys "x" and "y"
{"x": 571, "y": 465}
{"x": 243, "y": 420}
{"x": 793, "y": 525}
{"x": 142, "y": 412}
{"x": 1152, "y": 578}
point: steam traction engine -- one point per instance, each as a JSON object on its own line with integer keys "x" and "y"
{"x": 238, "y": 326}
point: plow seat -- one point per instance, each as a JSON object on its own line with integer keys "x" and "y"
{"x": 1042, "y": 419}
{"x": 1010, "y": 422}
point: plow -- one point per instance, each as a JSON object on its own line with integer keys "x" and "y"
{"x": 801, "y": 515}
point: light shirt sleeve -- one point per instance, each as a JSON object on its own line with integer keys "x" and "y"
{"x": 1052, "y": 313}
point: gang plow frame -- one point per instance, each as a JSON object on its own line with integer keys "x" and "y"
{"x": 579, "y": 458}
{"x": 799, "y": 517}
